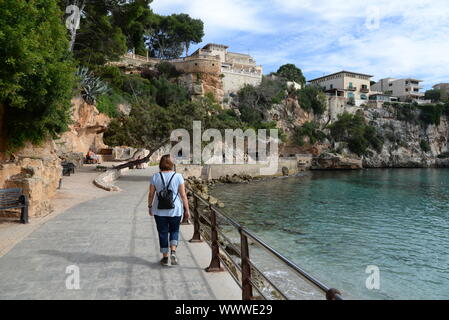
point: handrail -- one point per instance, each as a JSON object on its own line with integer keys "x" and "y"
{"x": 247, "y": 282}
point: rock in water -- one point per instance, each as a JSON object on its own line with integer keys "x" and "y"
{"x": 333, "y": 161}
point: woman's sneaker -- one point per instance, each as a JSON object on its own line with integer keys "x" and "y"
{"x": 164, "y": 261}
{"x": 174, "y": 259}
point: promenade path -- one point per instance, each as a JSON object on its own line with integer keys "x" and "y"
{"x": 113, "y": 242}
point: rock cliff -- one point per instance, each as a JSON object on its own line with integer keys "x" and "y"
{"x": 402, "y": 142}
{"x": 37, "y": 171}
{"x": 85, "y": 132}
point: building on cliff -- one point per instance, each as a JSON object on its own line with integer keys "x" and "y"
{"x": 406, "y": 90}
{"x": 350, "y": 85}
{"x": 235, "y": 69}
{"x": 209, "y": 69}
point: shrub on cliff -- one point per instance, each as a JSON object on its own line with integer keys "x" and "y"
{"x": 36, "y": 73}
{"x": 431, "y": 114}
{"x": 312, "y": 99}
{"x": 263, "y": 96}
{"x": 359, "y": 136}
{"x": 310, "y": 130}
{"x": 425, "y": 146}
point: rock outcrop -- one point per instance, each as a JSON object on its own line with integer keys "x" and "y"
{"x": 37, "y": 171}
{"x": 333, "y": 161}
{"x": 202, "y": 84}
{"x": 84, "y": 133}
{"x": 403, "y": 142}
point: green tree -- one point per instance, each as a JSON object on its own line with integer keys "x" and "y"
{"x": 292, "y": 73}
{"x": 435, "y": 95}
{"x": 188, "y": 30}
{"x": 162, "y": 39}
{"x": 98, "y": 40}
{"x": 36, "y": 71}
{"x": 133, "y": 18}
{"x": 353, "y": 130}
{"x": 310, "y": 130}
{"x": 312, "y": 98}
{"x": 149, "y": 126}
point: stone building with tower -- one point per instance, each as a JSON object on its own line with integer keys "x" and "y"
{"x": 211, "y": 69}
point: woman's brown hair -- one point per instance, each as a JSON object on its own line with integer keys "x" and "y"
{"x": 166, "y": 163}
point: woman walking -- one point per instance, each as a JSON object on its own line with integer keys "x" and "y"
{"x": 169, "y": 207}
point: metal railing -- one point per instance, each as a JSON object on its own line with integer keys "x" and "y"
{"x": 246, "y": 273}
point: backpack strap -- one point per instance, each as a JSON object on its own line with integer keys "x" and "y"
{"x": 174, "y": 174}
{"x": 163, "y": 181}
{"x": 168, "y": 185}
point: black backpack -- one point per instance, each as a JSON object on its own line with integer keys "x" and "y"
{"x": 165, "y": 197}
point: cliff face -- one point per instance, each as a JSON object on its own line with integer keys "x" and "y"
{"x": 37, "y": 169}
{"x": 85, "y": 132}
{"x": 200, "y": 84}
{"x": 402, "y": 142}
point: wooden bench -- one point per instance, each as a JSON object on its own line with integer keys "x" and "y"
{"x": 68, "y": 168}
{"x": 14, "y": 199}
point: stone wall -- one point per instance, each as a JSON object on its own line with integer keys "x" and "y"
{"x": 215, "y": 171}
{"x": 37, "y": 171}
{"x": 233, "y": 81}
{"x": 198, "y": 65}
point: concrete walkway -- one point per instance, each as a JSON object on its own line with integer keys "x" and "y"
{"x": 113, "y": 242}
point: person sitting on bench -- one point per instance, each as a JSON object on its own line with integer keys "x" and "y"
{"x": 91, "y": 157}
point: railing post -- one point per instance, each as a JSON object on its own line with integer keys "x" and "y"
{"x": 247, "y": 289}
{"x": 332, "y": 294}
{"x": 196, "y": 222}
{"x": 24, "y": 214}
{"x": 215, "y": 265}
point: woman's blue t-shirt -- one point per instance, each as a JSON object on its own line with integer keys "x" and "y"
{"x": 174, "y": 186}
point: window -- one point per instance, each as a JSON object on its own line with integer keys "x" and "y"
{"x": 350, "y": 95}
{"x": 363, "y": 97}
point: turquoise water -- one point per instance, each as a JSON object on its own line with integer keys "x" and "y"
{"x": 335, "y": 224}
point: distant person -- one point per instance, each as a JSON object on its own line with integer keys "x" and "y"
{"x": 91, "y": 157}
{"x": 169, "y": 207}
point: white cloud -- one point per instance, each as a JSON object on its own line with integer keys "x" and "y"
{"x": 220, "y": 16}
{"x": 330, "y": 35}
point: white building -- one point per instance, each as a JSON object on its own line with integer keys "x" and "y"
{"x": 350, "y": 85}
{"x": 406, "y": 90}
{"x": 237, "y": 69}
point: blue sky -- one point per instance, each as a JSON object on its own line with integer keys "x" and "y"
{"x": 385, "y": 38}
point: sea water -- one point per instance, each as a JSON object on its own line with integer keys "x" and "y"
{"x": 339, "y": 225}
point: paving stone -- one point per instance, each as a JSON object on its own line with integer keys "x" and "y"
{"x": 114, "y": 244}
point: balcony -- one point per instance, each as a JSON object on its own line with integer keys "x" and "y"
{"x": 352, "y": 88}
{"x": 364, "y": 90}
